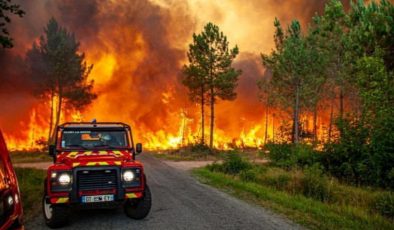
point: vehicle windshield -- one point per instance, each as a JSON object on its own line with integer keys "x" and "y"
{"x": 90, "y": 139}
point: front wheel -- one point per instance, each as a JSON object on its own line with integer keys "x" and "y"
{"x": 139, "y": 208}
{"x": 55, "y": 215}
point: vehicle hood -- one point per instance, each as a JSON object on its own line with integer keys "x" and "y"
{"x": 93, "y": 157}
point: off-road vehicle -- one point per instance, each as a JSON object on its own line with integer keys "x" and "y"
{"x": 94, "y": 167}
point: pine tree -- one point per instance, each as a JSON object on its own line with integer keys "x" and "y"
{"x": 293, "y": 63}
{"x": 209, "y": 75}
{"x": 60, "y": 72}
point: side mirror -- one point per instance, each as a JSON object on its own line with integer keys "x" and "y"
{"x": 138, "y": 148}
{"x": 52, "y": 150}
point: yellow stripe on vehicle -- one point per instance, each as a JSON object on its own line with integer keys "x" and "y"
{"x": 76, "y": 164}
{"x": 91, "y": 163}
{"x": 131, "y": 195}
{"x": 102, "y": 152}
{"x": 62, "y": 200}
{"x": 103, "y": 163}
{"x": 88, "y": 153}
{"x": 117, "y": 162}
{"x": 73, "y": 154}
{"x": 117, "y": 153}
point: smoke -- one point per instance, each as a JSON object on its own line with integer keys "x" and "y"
{"x": 138, "y": 49}
{"x": 236, "y": 115}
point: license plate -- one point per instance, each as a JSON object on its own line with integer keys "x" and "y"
{"x": 99, "y": 198}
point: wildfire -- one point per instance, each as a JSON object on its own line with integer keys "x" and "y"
{"x": 32, "y": 137}
{"x": 138, "y": 51}
{"x": 35, "y": 135}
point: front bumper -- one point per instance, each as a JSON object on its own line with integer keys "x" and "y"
{"x": 95, "y": 181}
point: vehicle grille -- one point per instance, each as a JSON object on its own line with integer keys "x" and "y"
{"x": 96, "y": 179}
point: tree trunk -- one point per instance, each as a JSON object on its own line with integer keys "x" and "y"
{"x": 52, "y": 97}
{"x": 183, "y": 128}
{"x": 341, "y": 82}
{"x": 211, "y": 86}
{"x": 315, "y": 138}
{"x": 296, "y": 116}
{"x": 331, "y": 117}
{"x": 58, "y": 114}
{"x": 202, "y": 116}
{"x": 341, "y": 104}
{"x": 273, "y": 128}
{"x": 266, "y": 124}
{"x": 341, "y": 109}
{"x": 212, "y": 117}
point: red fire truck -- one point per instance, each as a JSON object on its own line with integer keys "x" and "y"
{"x": 94, "y": 167}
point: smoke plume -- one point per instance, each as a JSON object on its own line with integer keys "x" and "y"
{"x": 138, "y": 49}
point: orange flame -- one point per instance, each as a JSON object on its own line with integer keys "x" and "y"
{"x": 138, "y": 56}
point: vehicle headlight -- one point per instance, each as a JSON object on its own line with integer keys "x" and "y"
{"x": 64, "y": 179}
{"x": 10, "y": 201}
{"x": 61, "y": 181}
{"x": 131, "y": 177}
{"x": 128, "y": 176}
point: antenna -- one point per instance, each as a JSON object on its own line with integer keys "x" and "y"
{"x": 94, "y": 121}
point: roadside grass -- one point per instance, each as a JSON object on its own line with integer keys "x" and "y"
{"x": 31, "y": 188}
{"x": 199, "y": 153}
{"x": 277, "y": 189}
{"x": 29, "y": 157}
{"x": 175, "y": 156}
{"x": 185, "y": 154}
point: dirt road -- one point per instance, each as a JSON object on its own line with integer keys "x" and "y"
{"x": 179, "y": 202}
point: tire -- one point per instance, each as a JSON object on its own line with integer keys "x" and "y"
{"x": 139, "y": 208}
{"x": 55, "y": 216}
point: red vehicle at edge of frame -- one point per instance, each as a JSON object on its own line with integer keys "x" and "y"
{"x": 11, "y": 213}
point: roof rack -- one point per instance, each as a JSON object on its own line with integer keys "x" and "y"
{"x": 94, "y": 125}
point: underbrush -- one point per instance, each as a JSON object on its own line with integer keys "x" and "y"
{"x": 291, "y": 155}
{"x": 190, "y": 153}
{"x": 384, "y": 204}
{"x": 307, "y": 179}
{"x": 233, "y": 164}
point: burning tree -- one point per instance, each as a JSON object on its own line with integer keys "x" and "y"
{"x": 266, "y": 96}
{"x": 60, "y": 72}
{"x": 209, "y": 75}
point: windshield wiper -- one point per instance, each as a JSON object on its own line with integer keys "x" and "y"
{"x": 105, "y": 145}
{"x": 76, "y": 146}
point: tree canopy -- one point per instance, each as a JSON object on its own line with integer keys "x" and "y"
{"x": 59, "y": 71}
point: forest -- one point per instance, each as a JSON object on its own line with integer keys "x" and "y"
{"x": 341, "y": 65}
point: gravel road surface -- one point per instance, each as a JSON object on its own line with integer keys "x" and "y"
{"x": 179, "y": 202}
